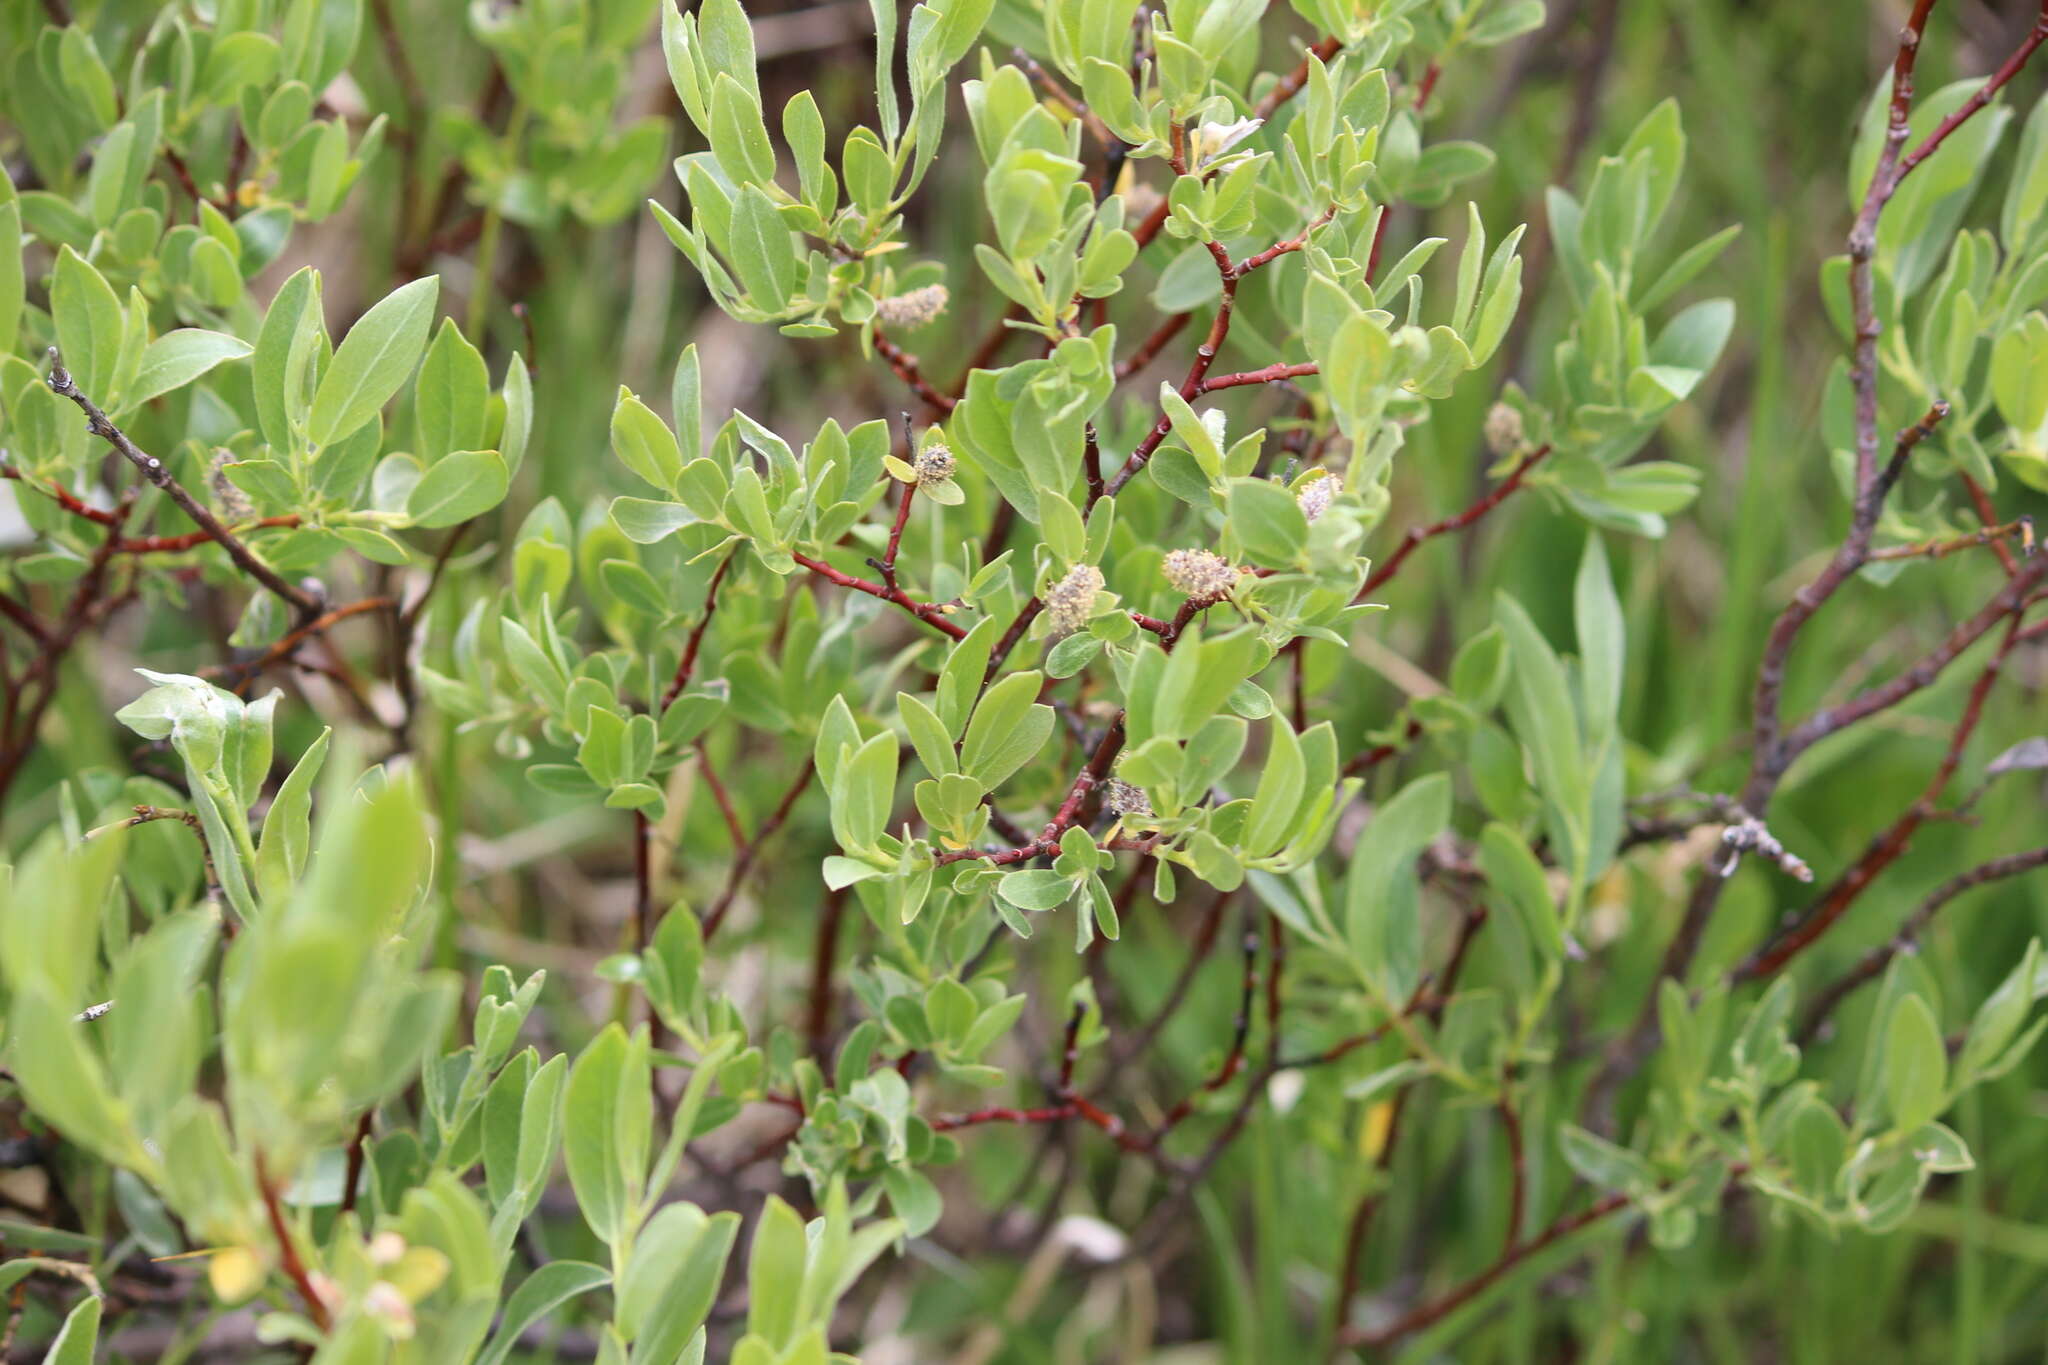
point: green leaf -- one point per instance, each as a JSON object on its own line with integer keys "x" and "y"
{"x": 1540, "y": 705}
{"x": 287, "y": 828}
{"x": 1036, "y": 888}
{"x": 1278, "y": 796}
{"x": 540, "y": 1294}
{"x": 284, "y": 346}
{"x": 177, "y": 358}
{"x": 762, "y": 256}
{"x": 1603, "y": 644}
{"x": 1267, "y": 522}
{"x": 1915, "y": 1064}
{"x": 373, "y": 360}
{"x": 606, "y": 1132}
{"x": 643, "y": 442}
{"x": 645, "y": 521}
{"x": 1382, "y": 895}
{"x": 866, "y": 787}
{"x": 927, "y": 735}
{"x": 465, "y": 484}
{"x": 1513, "y": 871}
{"x": 1602, "y": 1163}
{"x": 2019, "y": 373}
{"x": 674, "y": 1279}
{"x": 78, "y": 1339}
{"x": 451, "y": 395}
{"x": 775, "y": 1273}
{"x": 913, "y": 1198}
{"x": 1008, "y": 730}
{"x": 89, "y": 326}
{"x": 12, "y": 283}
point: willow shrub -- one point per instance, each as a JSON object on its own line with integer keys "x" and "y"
{"x": 1068, "y": 643}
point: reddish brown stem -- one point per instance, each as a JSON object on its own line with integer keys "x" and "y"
{"x": 192, "y": 540}
{"x": 288, "y": 1249}
{"x": 743, "y": 861}
{"x": 905, "y": 367}
{"x": 157, "y": 473}
{"x": 1420, "y": 535}
{"x": 1872, "y": 964}
{"x": 927, "y": 612}
{"x": 688, "y": 663}
{"x": 1888, "y": 847}
{"x": 1440, "y": 1308}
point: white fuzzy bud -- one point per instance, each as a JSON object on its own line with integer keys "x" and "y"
{"x": 1199, "y": 573}
{"x": 934, "y": 464}
{"x": 233, "y": 503}
{"x": 1126, "y": 798}
{"x": 1503, "y": 429}
{"x": 1314, "y": 500}
{"x": 1071, "y": 601}
{"x": 913, "y": 308}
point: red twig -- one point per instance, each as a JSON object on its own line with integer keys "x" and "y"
{"x": 1419, "y": 535}
{"x": 824, "y": 953}
{"x": 743, "y": 861}
{"x": 1440, "y": 1308}
{"x": 927, "y": 612}
{"x": 1284, "y": 89}
{"x": 192, "y": 540}
{"x": 157, "y": 473}
{"x": 1888, "y": 847}
{"x": 1988, "y": 514}
{"x": 722, "y": 797}
{"x": 288, "y": 1250}
{"x": 1233, "y": 1060}
{"x": 905, "y": 367}
{"x": 1872, "y": 964}
{"x": 688, "y": 663}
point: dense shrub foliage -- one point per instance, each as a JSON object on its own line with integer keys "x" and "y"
{"x": 1126, "y": 759}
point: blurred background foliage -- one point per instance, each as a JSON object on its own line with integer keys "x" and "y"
{"x": 1770, "y": 95}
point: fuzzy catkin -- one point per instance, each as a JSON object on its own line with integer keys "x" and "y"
{"x": 913, "y": 308}
{"x": 1071, "y": 601}
{"x": 1198, "y": 573}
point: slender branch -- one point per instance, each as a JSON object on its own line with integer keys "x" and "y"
{"x": 1420, "y": 535}
{"x": 1863, "y": 248}
{"x": 1981, "y": 97}
{"x": 58, "y": 494}
{"x": 1149, "y": 349}
{"x": 1442, "y": 1307}
{"x": 1518, "y": 1174}
{"x": 824, "y": 953}
{"x": 1233, "y": 1060}
{"x": 1271, "y": 374}
{"x": 288, "y": 644}
{"x": 743, "y": 861}
{"x": 927, "y": 612}
{"x": 1830, "y": 719}
{"x": 1940, "y": 549}
{"x": 1767, "y": 761}
{"x": 24, "y": 618}
{"x": 688, "y": 663}
{"x": 1286, "y": 87}
{"x": 905, "y": 367}
{"x": 288, "y": 1249}
{"x": 192, "y": 540}
{"x": 1888, "y": 847}
{"x": 1988, "y": 515}
{"x": 1872, "y": 964}
{"x": 155, "y": 471}
{"x": 721, "y": 797}
{"x": 1048, "y": 841}
{"x": 358, "y": 1150}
